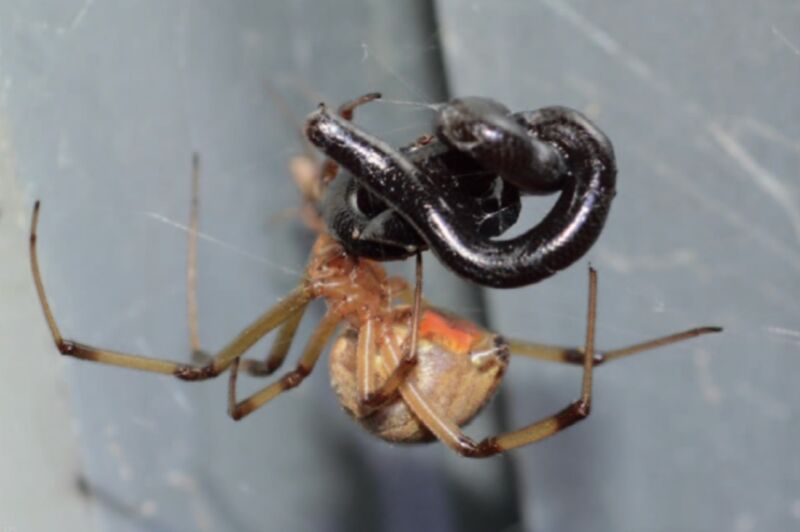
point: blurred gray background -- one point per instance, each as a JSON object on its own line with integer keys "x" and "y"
{"x": 101, "y": 107}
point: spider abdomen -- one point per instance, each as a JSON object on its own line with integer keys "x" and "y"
{"x": 458, "y": 370}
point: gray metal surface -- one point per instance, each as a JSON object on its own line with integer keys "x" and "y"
{"x": 701, "y": 102}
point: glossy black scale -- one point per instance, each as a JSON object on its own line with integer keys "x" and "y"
{"x": 367, "y": 227}
{"x": 452, "y": 194}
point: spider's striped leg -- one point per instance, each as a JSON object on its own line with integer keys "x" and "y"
{"x": 283, "y": 341}
{"x": 319, "y": 338}
{"x": 280, "y": 347}
{"x": 198, "y": 355}
{"x": 574, "y": 355}
{"x": 370, "y": 394}
{"x": 451, "y": 434}
{"x": 272, "y": 318}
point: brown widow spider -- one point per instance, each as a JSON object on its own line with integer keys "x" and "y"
{"x": 405, "y": 370}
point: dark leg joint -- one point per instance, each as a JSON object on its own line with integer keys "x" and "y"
{"x": 574, "y": 356}
{"x": 583, "y": 408}
{"x": 239, "y": 411}
{"x": 405, "y": 366}
{"x": 271, "y": 366}
{"x": 575, "y": 412}
{"x": 409, "y": 361}
{"x": 74, "y": 349}
{"x": 196, "y": 373}
{"x": 374, "y": 400}
{"x": 67, "y": 347}
{"x": 484, "y": 449}
{"x": 294, "y": 378}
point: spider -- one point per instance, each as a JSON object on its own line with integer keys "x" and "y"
{"x": 404, "y": 369}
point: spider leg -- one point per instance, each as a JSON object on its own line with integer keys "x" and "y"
{"x": 198, "y": 355}
{"x": 239, "y": 409}
{"x": 574, "y": 355}
{"x": 280, "y": 347}
{"x": 449, "y": 433}
{"x": 241, "y": 343}
{"x": 400, "y": 289}
{"x": 371, "y": 397}
{"x": 365, "y": 372}
{"x": 347, "y": 109}
{"x": 283, "y": 341}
